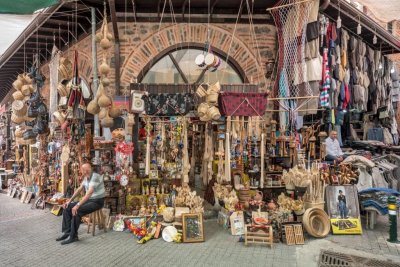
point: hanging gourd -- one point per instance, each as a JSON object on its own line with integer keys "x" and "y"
{"x": 115, "y": 112}
{"x": 107, "y": 122}
{"x": 104, "y": 101}
{"x": 103, "y": 113}
{"x": 104, "y": 68}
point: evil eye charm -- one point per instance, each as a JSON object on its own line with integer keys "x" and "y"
{"x": 180, "y": 145}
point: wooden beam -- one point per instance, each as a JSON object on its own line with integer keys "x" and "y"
{"x": 241, "y": 10}
{"x": 183, "y": 8}
{"x": 213, "y": 6}
{"x": 134, "y": 9}
{"x": 117, "y": 52}
{"x": 158, "y": 8}
{"x": 178, "y": 68}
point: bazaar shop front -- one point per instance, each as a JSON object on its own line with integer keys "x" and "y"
{"x": 204, "y": 119}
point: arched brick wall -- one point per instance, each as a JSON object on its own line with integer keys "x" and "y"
{"x": 241, "y": 50}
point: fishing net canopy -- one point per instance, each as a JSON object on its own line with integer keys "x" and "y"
{"x": 291, "y": 88}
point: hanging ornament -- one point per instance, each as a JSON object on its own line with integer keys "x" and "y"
{"x": 375, "y": 39}
{"x": 380, "y": 65}
{"x": 338, "y": 22}
{"x": 392, "y": 68}
{"x": 359, "y": 28}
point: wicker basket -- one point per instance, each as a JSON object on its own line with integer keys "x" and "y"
{"x": 316, "y": 222}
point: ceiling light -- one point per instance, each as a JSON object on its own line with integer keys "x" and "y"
{"x": 359, "y": 28}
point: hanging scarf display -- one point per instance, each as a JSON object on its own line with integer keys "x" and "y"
{"x": 168, "y": 104}
{"x": 53, "y": 66}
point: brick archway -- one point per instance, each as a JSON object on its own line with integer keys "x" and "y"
{"x": 151, "y": 48}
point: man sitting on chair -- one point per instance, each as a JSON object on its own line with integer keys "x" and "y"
{"x": 92, "y": 201}
{"x": 333, "y": 150}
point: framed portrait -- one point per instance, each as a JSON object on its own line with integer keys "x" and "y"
{"x": 192, "y": 227}
{"x": 343, "y": 209}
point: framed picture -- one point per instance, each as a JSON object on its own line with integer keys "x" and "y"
{"x": 28, "y": 198}
{"x": 192, "y": 227}
{"x": 13, "y": 192}
{"x": 137, "y": 220}
{"x": 153, "y": 174}
{"x": 343, "y": 209}
{"x": 23, "y": 196}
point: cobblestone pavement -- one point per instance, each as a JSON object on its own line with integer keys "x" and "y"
{"x": 27, "y": 238}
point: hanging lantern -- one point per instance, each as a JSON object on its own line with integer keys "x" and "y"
{"x": 375, "y": 39}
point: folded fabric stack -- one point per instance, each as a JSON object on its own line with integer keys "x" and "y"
{"x": 377, "y": 198}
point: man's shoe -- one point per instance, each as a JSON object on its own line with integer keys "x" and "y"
{"x": 69, "y": 240}
{"x": 64, "y": 236}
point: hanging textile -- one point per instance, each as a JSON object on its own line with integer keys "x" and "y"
{"x": 325, "y": 83}
{"x": 168, "y": 104}
{"x": 53, "y": 66}
{"x": 243, "y": 104}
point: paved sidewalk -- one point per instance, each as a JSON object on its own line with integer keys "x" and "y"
{"x": 27, "y": 238}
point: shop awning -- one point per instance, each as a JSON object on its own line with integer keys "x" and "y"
{"x": 24, "y": 6}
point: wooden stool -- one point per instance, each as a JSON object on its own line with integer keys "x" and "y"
{"x": 96, "y": 218}
{"x": 258, "y": 234}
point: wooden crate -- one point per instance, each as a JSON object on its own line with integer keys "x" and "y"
{"x": 258, "y": 234}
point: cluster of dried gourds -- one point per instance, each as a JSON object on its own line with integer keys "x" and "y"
{"x": 102, "y": 103}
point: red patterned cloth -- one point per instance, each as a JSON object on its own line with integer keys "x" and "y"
{"x": 242, "y": 104}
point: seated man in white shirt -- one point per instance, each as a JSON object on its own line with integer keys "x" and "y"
{"x": 333, "y": 150}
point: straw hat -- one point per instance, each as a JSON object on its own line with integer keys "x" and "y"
{"x": 213, "y": 113}
{"x": 212, "y": 98}
{"x": 200, "y": 91}
{"x": 17, "y": 119}
{"x": 19, "y": 108}
{"x": 202, "y": 109}
{"x": 65, "y": 69}
{"x": 17, "y": 95}
{"x": 59, "y": 116}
